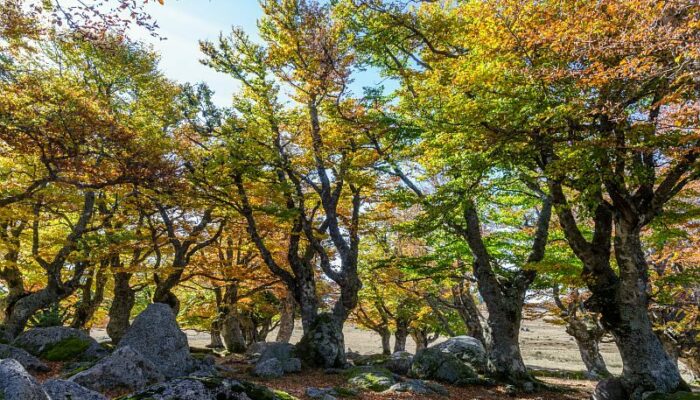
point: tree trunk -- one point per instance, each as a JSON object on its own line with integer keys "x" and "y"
{"x": 400, "y": 335}
{"x": 286, "y": 325}
{"x": 122, "y": 303}
{"x": 647, "y": 366}
{"x": 386, "y": 341}
{"x": 588, "y": 338}
{"x": 164, "y": 294}
{"x": 25, "y": 307}
{"x": 420, "y": 339}
{"x": 502, "y": 333}
{"x": 468, "y": 312}
{"x": 231, "y": 332}
{"x": 215, "y": 335}
{"x": 90, "y": 301}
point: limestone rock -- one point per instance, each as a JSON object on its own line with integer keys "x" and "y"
{"x": 399, "y": 362}
{"x": 417, "y": 386}
{"x": 195, "y": 388}
{"x": 467, "y": 349}
{"x": 125, "y": 369}
{"x": 60, "y": 343}
{"x": 270, "y": 368}
{"x": 432, "y": 363}
{"x": 27, "y": 360}
{"x": 17, "y": 384}
{"x": 156, "y": 335}
{"x": 59, "y": 389}
{"x": 370, "y": 378}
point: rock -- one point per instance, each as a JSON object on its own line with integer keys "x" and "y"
{"x": 370, "y": 378}
{"x": 417, "y": 386}
{"x": 399, "y": 362}
{"x": 27, "y": 360}
{"x": 194, "y": 388}
{"x": 319, "y": 393}
{"x": 125, "y": 369}
{"x": 270, "y": 368}
{"x": 323, "y": 345}
{"x": 256, "y": 349}
{"x": 205, "y": 366}
{"x": 58, "y": 389}
{"x": 17, "y": 384}
{"x": 467, "y": 349}
{"x": 278, "y": 350}
{"x": 291, "y": 365}
{"x": 156, "y": 335}
{"x": 60, "y": 343}
{"x": 610, "y": 389}
{"x": 432, "y": 363}
{"x": 674, "y": 396}
{"x": 371, "y": 359}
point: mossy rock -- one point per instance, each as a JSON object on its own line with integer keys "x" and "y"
{"x": 345, "y": 392}
{"x": 208, "y": 387}
{"x": 674, "y": 396}
{"x": 66, "y": 350}
{"x": 372, "y": 359}
{"x": 375, "y": 379}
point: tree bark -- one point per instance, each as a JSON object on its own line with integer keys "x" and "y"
{"x": 588, "y": 339}
{"x": 286, "y": 325}
{"x": 122, "y": 303}
{"x": 647, "y": 366}
{"x": 232, "y": 335}
{"x": 400, "y": 335}
{"x": 90, "y": 301}
{"x": 468, "y": 312}
{"x": 386, "y": 341}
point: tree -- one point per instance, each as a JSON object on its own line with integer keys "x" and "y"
{"x": 612, "y": 124}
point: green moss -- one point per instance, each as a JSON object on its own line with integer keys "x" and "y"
{"x": 578, "y": 375}
{"x": 373, "y": 359}
{"x": 80, "y": 368}
{"x": 284, "y": 395}
{"x": 66, "y": 350}
{"x": 375, "y": 379}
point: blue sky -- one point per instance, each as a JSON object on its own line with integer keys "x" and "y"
{"x": 184, "y": 22}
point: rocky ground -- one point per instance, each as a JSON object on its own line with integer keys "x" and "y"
{"x": 156, "y": 360}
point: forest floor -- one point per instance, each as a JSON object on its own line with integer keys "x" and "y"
{"x": 547, "y": 349}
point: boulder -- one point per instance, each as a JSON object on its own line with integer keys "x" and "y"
{"x": 270, "y": 368}
{"x": 291, "y": 365}
{"x": 323, "y": 345}
{"x": 125, "y": 369}
{"x": 195, "y": 388}
{"x": 610, "y": 389}
{"x": 432, "y": 363}
{"x": 370, "y": 378}
{"x": 27, "y": 360}
{"x": 399, "y": 362}
{"x": 467, "y": 349}
{"x": 278, "y": 350}
{"x": 156, "y": 335}
{"x": 17, "y": 384}
{"x": 417, "y": 386}
{"x": 58, "y": 389}
{"x": 674, "y": 396}
{"x": 60, "y": 343}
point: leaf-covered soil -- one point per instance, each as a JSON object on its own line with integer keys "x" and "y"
{"x": 296, "y": 384}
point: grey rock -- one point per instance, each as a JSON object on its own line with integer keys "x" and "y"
{"x": 256, "y": 349}
{"x": 417, "y": 386}
{"x": 610, "y": 389}
{"x": 156, "y": 335}
{"x": 399, "y": 362}
{"x": 59, "y": 389}
{"x": 291, "y": 365}
{"x": 323, "y": 345}
{"x": 467, "y": 349}
{"x": 17, "y": 384}
{"x": 40, "y": 342}
{"x": 278, "y": 350}
{"x": 319, "y": 393}
{"x": 192, "y": 388}
{"x": 27, "y": 360}
{"x": 432, "y": 363}
{"x": 126, "y": 369}
{"x": 270, "y": 368}
{"x": 371, "y": 378}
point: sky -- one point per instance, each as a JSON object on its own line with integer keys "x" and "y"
{"x": 182, "y": 23}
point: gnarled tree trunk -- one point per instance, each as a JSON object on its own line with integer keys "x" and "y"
{"x": 122, "y": 304}
{"x": 286, "y": 325}
{"x": 90, "y": 301}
